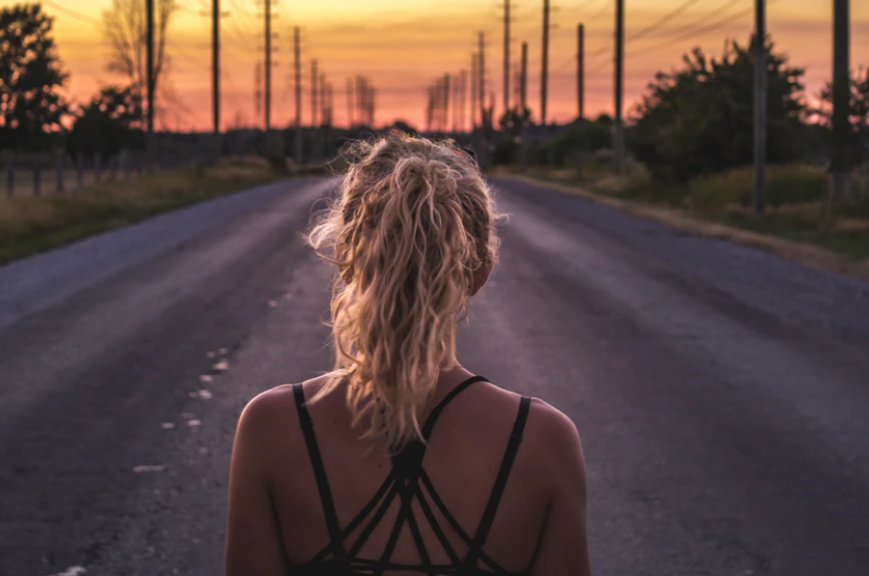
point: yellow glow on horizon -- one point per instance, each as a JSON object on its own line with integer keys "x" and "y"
{"x": 403, "y": 45}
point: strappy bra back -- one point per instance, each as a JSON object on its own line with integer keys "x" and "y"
{"x": 408, "y": 482}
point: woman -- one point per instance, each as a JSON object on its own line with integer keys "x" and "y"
{"x": 401, "y": 461}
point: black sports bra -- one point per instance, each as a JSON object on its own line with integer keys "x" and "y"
{"x": 408, "y": 481}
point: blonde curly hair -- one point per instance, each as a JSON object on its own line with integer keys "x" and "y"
{"x": 412, "y": 223}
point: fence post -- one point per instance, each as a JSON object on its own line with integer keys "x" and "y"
{"x": 98, "y": 168}
{"x": 10, "y": 175}
{"x": 60, "y": 165}
{"x": 36, "y": 175}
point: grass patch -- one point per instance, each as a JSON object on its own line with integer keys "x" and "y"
{"x": 32, "y": 225}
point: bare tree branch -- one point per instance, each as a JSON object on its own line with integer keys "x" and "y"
{"x": 124, "y": 29}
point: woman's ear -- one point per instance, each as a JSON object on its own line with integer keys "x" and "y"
{"x": 482, "y": 274}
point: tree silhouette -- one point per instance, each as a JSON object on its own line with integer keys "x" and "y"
{"x": 110, "y": 123}
{"x": 31, "y": 104}
{"x": 700, "y": 119}
{"x": 858, "y": 115}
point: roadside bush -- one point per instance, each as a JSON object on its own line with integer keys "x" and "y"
{"x": 796, "y": 185}
{"x": 785, "y": 185}
{"x": 582, "y": 136}
{"x": 713, "y": 194}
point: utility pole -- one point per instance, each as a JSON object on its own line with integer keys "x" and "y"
{"x": 446, "y": 102}
{"x": 314, "y": 77}
{"x": 482, "y": 72}
{"x": 760, "y": 86}
{"x": 268, "y": 67}
{"x": 297, "y": 64}
{"x": 523, "y": 79}
{"x": 455, "y": 98}
{"x": 215, "y": 63}
{"x": 506, "y": 56}
{"x": 324, "y": 104}
{"x": 463, "y": 95}
{"x": 149, "y": 73}
{"x": 475, "y": 74}
{"x": 258, "y": 92}
{"x": 430, "y": 109}
{"x": 840, "y": 167}
{"x": 350, "y": 102}
{"x": 580, "y": 71}
{"x": 618, "y": 140}
{"x": 544, "y": 81}
{"x": 360, "y": 100}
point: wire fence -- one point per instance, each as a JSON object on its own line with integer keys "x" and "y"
{"x": 56, "y": 172}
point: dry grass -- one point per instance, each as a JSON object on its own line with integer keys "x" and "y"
{"x": 29, "y": 225}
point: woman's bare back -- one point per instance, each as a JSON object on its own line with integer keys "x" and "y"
{"x": 465, "y": 452}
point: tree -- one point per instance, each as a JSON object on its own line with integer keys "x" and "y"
{"x": 31, "y": 103}
{"x": 513, "y": 120}
{"x": 404, "y": 126}
{"x": 858, "y": 115}
{"x": 111, "y": 122}
{"x": 699, "y": 119}
{"x": 124, "y": 26}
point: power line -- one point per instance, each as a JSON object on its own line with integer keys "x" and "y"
{"x": 709, "y": 16}
{"x": 694, "y": 33}
{"x": 72, "y": 13}
{"x": 598, "y": 14}
{"x": 585, "y": 4}
{"x": 666, "y": 18}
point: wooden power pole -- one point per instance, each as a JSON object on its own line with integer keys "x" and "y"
{"x": 580, "y": 72}
{"x": 545, "y": 63}
{"x": 446, "y": 103}
{"x": 258, "y": 92}
{"x": 840, "y": 167}
{"x": 760, "y": 86}
{"x": 463, "y": 95}
{"x": 297, "y": 69}
{"x": 268, "y": 66}
{"x": 475, "y": 64}
{"x": 482, "y": 75}
{"x": 619, "y": 135}
{"x": 506, "y": 56}
{"x": 314, "y": 93}
{"x": 523, "y": 80}
{"x": 215, "y": 63}
{"x": 149, "y": 73}
{"x": 350, "y": 102}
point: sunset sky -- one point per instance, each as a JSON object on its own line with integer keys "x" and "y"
{"x": 402, "y": 45}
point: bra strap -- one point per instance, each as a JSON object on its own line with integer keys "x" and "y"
{"x": 432, "y": 418}
{"x": 319, "y": 471}
{"x": 500, "y": 483}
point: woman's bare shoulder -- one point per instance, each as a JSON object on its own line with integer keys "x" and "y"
{"x": 554, "y": 439}
{"x": 548, "y": 430}
{"x": 270, "y": 418}
{"x": 278, "y": 403}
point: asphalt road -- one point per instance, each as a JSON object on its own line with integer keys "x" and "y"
{"x": 721, "y": 392}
